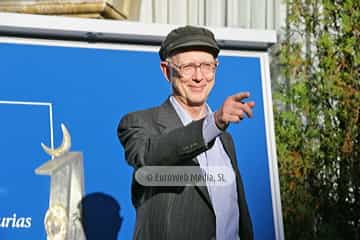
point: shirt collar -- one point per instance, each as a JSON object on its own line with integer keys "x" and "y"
{"x": 182, "y": 113}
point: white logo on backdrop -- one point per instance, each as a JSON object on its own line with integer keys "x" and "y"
{"x": 15, "y": 222}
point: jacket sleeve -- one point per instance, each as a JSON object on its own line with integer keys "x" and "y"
{"x": 145, "y": 147}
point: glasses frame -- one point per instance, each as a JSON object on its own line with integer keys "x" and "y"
{"x": 180, "y": 68}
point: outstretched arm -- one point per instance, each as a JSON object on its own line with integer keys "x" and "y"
{"x": 144, "y": 147}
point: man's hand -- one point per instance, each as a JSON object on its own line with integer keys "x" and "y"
{"x": 233, "y": 110}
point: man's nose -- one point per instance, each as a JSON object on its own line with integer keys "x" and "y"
{"x": 198, "y": 75}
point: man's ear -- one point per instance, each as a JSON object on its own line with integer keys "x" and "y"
{"x": 165, "y": 70}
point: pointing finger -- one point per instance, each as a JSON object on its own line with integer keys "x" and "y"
{"x": 241, "y": 96}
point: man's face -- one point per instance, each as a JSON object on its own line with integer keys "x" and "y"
{"x": 192, "y": 75}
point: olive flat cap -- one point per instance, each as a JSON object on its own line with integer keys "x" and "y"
{"x": 188, "y": 38}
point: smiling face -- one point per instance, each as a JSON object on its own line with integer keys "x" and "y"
{"x": 190, "y": 90}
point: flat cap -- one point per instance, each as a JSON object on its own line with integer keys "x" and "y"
{"x": 188, "y": 38}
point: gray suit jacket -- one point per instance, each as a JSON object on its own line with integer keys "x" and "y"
{"x": 157, "y": 137}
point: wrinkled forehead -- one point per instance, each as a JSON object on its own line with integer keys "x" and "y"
{"x": 195, "y": 56}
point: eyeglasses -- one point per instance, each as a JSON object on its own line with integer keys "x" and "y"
{"x": 189, "y": 69}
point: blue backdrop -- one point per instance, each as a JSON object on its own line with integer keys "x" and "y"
{"x": 90, "y": 90}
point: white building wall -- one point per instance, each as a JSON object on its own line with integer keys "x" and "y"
{"x": 254, "y": 14}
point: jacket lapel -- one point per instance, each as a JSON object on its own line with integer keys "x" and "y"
{"x": 167, "y": 117}
{"x": 229, "y": 149}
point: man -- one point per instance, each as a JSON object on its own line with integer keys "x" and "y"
{"x": 184, "y": 131}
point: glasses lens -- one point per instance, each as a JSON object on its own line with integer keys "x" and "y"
{"x": 188, "y": 70}
{"x": 207, "y": 68}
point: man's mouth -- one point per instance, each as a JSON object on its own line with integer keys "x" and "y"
{"x": 197, "y": 88}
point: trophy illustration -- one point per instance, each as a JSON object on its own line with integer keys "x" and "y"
{"x": 62, "y": 220}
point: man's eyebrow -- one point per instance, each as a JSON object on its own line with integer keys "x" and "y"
{"x": 193, "y": 62}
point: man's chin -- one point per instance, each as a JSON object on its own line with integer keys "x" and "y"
{"x": 197, "y": 102}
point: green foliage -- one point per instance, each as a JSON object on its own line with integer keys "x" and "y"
{"x": 317, "y": 119}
